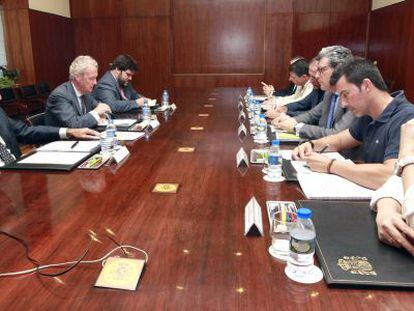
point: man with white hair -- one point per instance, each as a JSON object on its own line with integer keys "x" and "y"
{"x": 71, "y": 103}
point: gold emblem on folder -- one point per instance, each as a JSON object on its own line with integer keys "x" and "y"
{"x": 356, "y": 265}
{"x": 165, "y": 188}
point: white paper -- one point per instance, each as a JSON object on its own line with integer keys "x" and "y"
{"x": 121, "y": 154}
{"x": 62, "y": 158}
{"x": 253, "y": 216}
{"x": 119, "y": 122}
{"x": 260, "y": 97}
{"x": 241, "y": 157}
{"x": 154, "y": 124}
{"x": 152, "y": 102}
{"x": 329, "y": 186}
{"x": 128, "y": 136}
{"x": 173, "y": 107}
{"x": 65, "y": 145}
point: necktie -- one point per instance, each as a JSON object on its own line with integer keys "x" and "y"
{"x": 331, "y": 115}
{"x": 5, "y": 155}
{"x": 83, "y": 104}
{"x": 123, "y": 93}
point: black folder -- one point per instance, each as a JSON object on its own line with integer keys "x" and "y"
{"x": 349, "y": 251}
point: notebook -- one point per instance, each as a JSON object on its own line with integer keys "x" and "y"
{"x": 328, "y": 186}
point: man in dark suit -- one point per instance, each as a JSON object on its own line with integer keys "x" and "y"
{"x": 13, "y": 132}
{"x": 328, "y": 117}
{"x": 71, "y": 103}
{"x": 115, "y": 89}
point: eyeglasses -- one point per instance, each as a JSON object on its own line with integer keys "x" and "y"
{"x": 323, "y": 69}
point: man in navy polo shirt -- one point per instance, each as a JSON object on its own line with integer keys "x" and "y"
{"x": 364, "y": 92}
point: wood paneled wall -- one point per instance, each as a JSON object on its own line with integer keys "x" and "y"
{"x": 391, "y": 44}
{"x": 53, "y": 47}
{"x": 193, "y": 43}
{"x": 321, "y": 23}
{"x": 189, "y": 43}
{"x": 18, "y": 39}
{"x": 139, "y": 28}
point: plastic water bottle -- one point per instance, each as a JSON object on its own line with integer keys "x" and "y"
{"x": 261, "y": 127}
{"x": 302, "y": 243}
{"x": 108, "y": 138}
{"x": 274, "y": 167}
{"x": 146, "y": 111}
{"x": 165, "y": 98}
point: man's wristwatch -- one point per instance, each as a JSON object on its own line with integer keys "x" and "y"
{"x": 400, "y": 164}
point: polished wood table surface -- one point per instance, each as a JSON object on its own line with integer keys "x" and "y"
{"x": 199, "y": 258}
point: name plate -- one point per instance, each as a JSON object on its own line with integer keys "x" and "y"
{"x": 242, "y": 159}
{"x": 242, "y": 116}
{"x": 242, "y": 131}
{"x": 121, "y": 154}
{"x": 253, "y": 223}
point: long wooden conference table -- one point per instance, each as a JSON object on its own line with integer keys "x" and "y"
{"x": 199, "y": 258}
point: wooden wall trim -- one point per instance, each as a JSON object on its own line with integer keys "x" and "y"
{"x": 18, "y": 39}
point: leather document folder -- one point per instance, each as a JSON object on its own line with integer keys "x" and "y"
{"x": 349, "y": 251}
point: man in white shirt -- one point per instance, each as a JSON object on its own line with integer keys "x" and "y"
{"x": 394, "y": 201}
{"x": 71, "y": 103}
{"x": 298, "y": 74}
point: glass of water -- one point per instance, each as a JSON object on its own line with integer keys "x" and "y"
{"x": 280, "y": 225}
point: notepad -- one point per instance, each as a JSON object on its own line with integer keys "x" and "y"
{"x": 66, "y": 146}
{"x": 120, "y": 122}
{"x": 54, "y": 158}
{"x": 328, "y": 186}
{"x": 129, "y": 136}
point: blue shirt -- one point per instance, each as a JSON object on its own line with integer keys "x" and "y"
{"x": 381, "y": 137}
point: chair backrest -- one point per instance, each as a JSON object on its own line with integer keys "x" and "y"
{"x": 43, "y": 88}
{"x": 37, "y": 119}
{"x": 7, "y": 95}
{"x": 28, "y": 91}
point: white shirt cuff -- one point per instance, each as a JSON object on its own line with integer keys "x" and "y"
{"x": 393, "y": 188}
{"x": 95, "y": 115}
{"x": 62, "y": 133}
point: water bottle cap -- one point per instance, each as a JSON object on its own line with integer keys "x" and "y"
{"x": 262, "y": 116}
{"x": 275, "y": 142}
{"x": 304, "y": 213}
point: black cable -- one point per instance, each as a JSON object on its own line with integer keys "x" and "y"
{"x": 26, "y": 247}
{"x": 70, "y": 267}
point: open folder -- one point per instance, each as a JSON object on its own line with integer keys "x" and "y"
{"x": 58, "y": 155}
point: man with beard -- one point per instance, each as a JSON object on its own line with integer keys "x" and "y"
{"x": 115, "y": 89}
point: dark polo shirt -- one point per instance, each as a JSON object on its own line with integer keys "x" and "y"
{"x": 381, "y": 137}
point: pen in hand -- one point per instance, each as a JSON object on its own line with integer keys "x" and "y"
{"x": 324, "y": 149}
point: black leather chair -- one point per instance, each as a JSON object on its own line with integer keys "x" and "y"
{"x": 11, "y": 105}
{"x": 37, "y": 119}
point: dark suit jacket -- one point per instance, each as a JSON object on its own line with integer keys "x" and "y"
{"x": 310, "y": 101}
{"x": 14, "y": 131}
{"x": 63, "y": 110}
{"x": 287, "y": 91}
{"x": 315, "y": 119}
{"x": 107, "y": 91}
